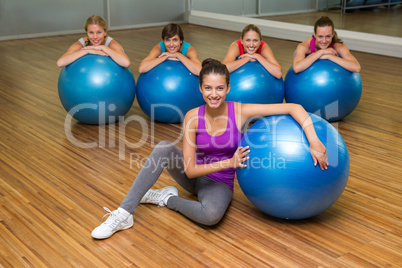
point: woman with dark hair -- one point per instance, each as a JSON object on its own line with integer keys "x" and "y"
{"x": 172, "y": 47}
{"x": 96, "y": 42}
{"x": 250, "y": 47}
{"x": 324, "y": 44}
{"x": 206, "y": 165}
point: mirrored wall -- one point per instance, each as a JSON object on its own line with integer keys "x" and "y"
{"x": 360, "y": 15}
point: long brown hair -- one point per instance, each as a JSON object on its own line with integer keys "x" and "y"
{"x": 326, "y": 21}
{"x": 96, "y": 20}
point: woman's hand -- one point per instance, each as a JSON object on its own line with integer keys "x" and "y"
{"x": 328, "y": 52}
{"x": 170, "y": 56}
{"x": 250, "y": 57}
{"x": 239, "y": 157}
{"x": 319, "y": 154}
{"x": 97, "y": 50}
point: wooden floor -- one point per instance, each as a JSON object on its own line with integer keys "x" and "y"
{"x": 52, "y": 191}
{"x": 381, "y": 20}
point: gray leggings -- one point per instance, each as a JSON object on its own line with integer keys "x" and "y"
{"x": 213, "y": 197}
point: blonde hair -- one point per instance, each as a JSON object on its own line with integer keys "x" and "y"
{"x": 96, "y": 20}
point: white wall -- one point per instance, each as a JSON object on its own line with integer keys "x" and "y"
{"x": 134, "y": 14}
{"x": 35, "y": 18}
{"x": 230, "y": 7}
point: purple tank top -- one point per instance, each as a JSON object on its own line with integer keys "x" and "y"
{"x": 312, "y": 45}
{"x": 212, "y": 149}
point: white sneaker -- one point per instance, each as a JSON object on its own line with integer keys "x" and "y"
{"x": 160, "y": 196}
{"x": 118, "y": 220}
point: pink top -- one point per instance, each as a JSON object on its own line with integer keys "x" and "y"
{"x": 212, "y": 149}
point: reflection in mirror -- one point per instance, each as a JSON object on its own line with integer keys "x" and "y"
{"x": 374, "y": 30}
{"x": 377, "y": 20}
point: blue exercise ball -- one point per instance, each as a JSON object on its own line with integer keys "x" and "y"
{"x": 168, "y": 91}
{"x": 325, "y": 89}
{"x": 94, "y": 89}
{"x": 252, "y": 83}
{"x": 280, "y": 178}
{"x": 354, "y": 3}
{"x": 371, "y": 2}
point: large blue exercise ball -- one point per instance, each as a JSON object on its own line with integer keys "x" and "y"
{"x": 325, "y": 89}
{"x": 280, "y": 178}
{"x": 252, "y": 83}
{"x": 94, "y": 89}
{"x": 168, "y": 91}
{"x": 371, "y": 2}
{"x": 353, "y": 3}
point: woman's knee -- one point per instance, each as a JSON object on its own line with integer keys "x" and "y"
{"x": 164, "y": 148}
{"x": 164, "y": 145}
{"x": 212, "y": 216}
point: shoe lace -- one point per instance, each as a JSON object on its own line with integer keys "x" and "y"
{"x": 156, "y": 198}
{"x": 113, "y": 220}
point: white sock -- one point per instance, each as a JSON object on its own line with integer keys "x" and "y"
{"x": 123, "y": 212}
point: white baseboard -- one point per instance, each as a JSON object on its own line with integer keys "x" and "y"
{"x": 36, "y": 35}
{"x": 144, "y": 25}
{"x": 357, "y": 41}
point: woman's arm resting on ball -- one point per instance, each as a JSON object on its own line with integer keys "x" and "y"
{"x": 76, "y": 51}
{"x": 191, "y": 60}
{"x": 152, "y": 60}
{"x": 346, "y": 59}
{"x": 73, "y": 53}
{"x": 317, "y": 149}
{"x": 300, "y": 61}
{"x": 269, "y": 62}
{"x": 230, "y": 59}
{"x": 115, "y": 51}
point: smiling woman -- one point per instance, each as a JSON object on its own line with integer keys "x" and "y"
{"x": 250, "y": 47}
{"x": 206, "y": 165}
{"x": 96, "y": 42}
{"x": 172, "y": 47}
{"x": 324, "y": 44}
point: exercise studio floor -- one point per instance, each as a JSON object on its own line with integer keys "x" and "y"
{"x": 52, "y": 191}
